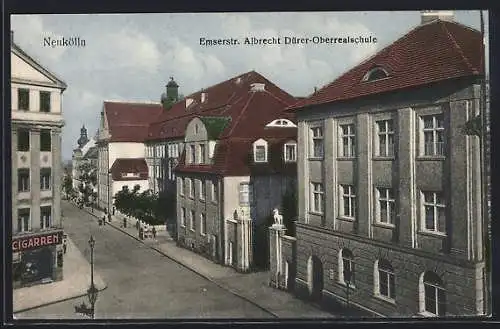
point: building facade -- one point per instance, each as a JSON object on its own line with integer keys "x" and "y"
{"x": 122, "y": 134}
{"x": 37, "y": 120}
{"x": 389, "y": 184}
{"x": 233, "y": 171}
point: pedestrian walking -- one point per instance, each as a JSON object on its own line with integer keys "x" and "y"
{"x": 64, "y": 245}
{"x": 154, "y": 232}
{"x": 104, "y": 219}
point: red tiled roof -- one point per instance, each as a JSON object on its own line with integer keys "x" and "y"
{"x": 429, "y": 53}
{"x": 133, "y": 166}
{"x": 224, "y": 99}
{"x": 129, "y": 122}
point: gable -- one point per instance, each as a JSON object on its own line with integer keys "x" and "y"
{"x": 23, "y": 68}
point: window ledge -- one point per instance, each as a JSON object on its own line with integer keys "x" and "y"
{"x": 347, "y": 219}
{"x": 192, "y": 230}
{"x": 351, "y": 286}
{"x": 384, "y": 225}
{"x": 383, "y": 158}
{"x": 427, "y": 314}
{"x": 346, "y": 158}
{"x": 433, "y": 234}
{"x": 290, "y": 161}
{"x": 385, "y": 299}
{"x": 317, "y": 213}
{"x": 214, "y": 202}
{"x": 315, "y": 158}
{"x": 203, "y": 234}
{"x": 431, "y": 158}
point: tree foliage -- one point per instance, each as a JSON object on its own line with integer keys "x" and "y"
{"x": 68, "y": 186}
{"x": 146, "y": 206}
{"x": 88, "y": 180}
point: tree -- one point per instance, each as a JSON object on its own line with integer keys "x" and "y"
{"x": 88, "y": 178}
{"x": 68, "y": 185}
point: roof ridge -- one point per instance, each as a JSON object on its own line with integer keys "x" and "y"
{"x": 243, "y": 110}
{"x": 458, "y": 48}
{"x": 204, "y": 89}
{"x": 278, "y": 98}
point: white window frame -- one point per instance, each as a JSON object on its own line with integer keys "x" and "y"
{"x": 349, "y": 192}
{"x": 350, "y": 136}
{"x": 350, "y": 260}
{"x": 203, "y": 224}
{"x": 287, "y": 145}
{"x": 192, "y": 153}
{"x": 388, "y": 150}
{"x": 317, "y": 193}
{"x": 388, "y": 275}
{"x": 190, "y": 188}
{"x": 192, "y": 223}
{"x": 45, "y": 182}
{"x": 436, "y": 206}
{"x": 43, "y": 219}
{"x": 182, "y": 186}
{"x": 245, "y": 188}
{"x": 183, "y": 217}
{"x": 437, "y": 287}
{"x": 25, "y": 187}
{"x": 23, "y": 227}
{"x": 316, "y": 132}
{"x": 435, "y": 130}
{"x": 384, "y": 200}
{"x": 203, "y": 191}
{"x": 202, "y": 155}
{"x": 215, "y": 197}
{"x": 261, "y": 143}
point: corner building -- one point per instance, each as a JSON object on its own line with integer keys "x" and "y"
{"x": 37, "y": 121}
{"x": 389, "y": 184}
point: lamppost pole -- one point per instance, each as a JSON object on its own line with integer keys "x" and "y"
{"x": 92, "y": 292}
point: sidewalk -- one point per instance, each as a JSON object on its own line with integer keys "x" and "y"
{"x": 252, "y": 287}
{"x": 75, "y": 282}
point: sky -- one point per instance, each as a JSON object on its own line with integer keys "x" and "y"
{"x": 130, "y": 57}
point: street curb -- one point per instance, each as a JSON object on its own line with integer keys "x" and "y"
{"x": 196, "y": 272}
{"x": 55, "y": 302}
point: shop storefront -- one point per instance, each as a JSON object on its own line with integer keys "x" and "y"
{"x": 37, "y": 258}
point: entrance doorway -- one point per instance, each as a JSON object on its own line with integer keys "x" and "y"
{"x": 315, "y": 278}
{"x": 37, "y": 265}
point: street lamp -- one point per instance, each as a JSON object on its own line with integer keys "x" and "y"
{"x": 92, "y": 292}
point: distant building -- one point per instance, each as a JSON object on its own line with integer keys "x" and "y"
{"x": 86, "y": 154}
{"x": 37, "y": 121}
{"x": 122, "y": 132}
{"x": 388, "y": 182}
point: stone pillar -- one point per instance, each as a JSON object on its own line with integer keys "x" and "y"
{"x": 244, "y": 240}
{"x": 276, "y": 232}
{"x": 35, "y": 178}
{"x": 56, "y": 177}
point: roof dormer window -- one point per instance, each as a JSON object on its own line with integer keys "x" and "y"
{"x": 281, "y": 123}
{"x": 260, "y": 151}
{"x": 290, "y": 151}
{"x": 376, "y": 73}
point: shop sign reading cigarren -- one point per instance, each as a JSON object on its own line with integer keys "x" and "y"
{"x": 37, "y": 241}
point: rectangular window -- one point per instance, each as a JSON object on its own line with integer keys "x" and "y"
{"x": 317, "y": 204}
{"x": 183, "y": 217}
{"x": 260, "y": 153}
{"x": 190, "y": 188}
{"x": 23, "y": 140}
{"x": 45, "y": 217}
{"x": 348, "y": 141}
{"x": 191, "y": 220}
{"x": 385, "y": 206}
{"x": 433, "y": 212}
{"x": 23, "y": 220}
{"x": 290, "y": 152}
{"x": 348, "y": 201}
{"x": 202, "y": 154}
{"x": 44, "y": 101}
{"x": 202, "y": 190}
{"x": 192, "y": 158}
{"x": 203, "y": 224}
{"x": 317, "y": 142}
{"x": 246, "y": 195}
{"x": 23, "y": 99}
{"x": 387, "y": 283}
{"x": 45, "y": 179}
{"x": 45, "y": 140}
{"x": 214, "y": 191}
{"x": 433, "y": 135}
{"x": 385, "y": 132}
{"x": 182, "y": 183}
{"x": 23, "y": 180}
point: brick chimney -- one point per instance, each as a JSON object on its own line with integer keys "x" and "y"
{"x": 431, "y": 15}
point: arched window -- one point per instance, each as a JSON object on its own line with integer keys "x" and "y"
{"x": 260, "y": 151}
{"x": 384, "y": 280}
{"x": 375, "y": 73}
{"x": 432, "y": 295}
{"x": 346, "y": 267}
